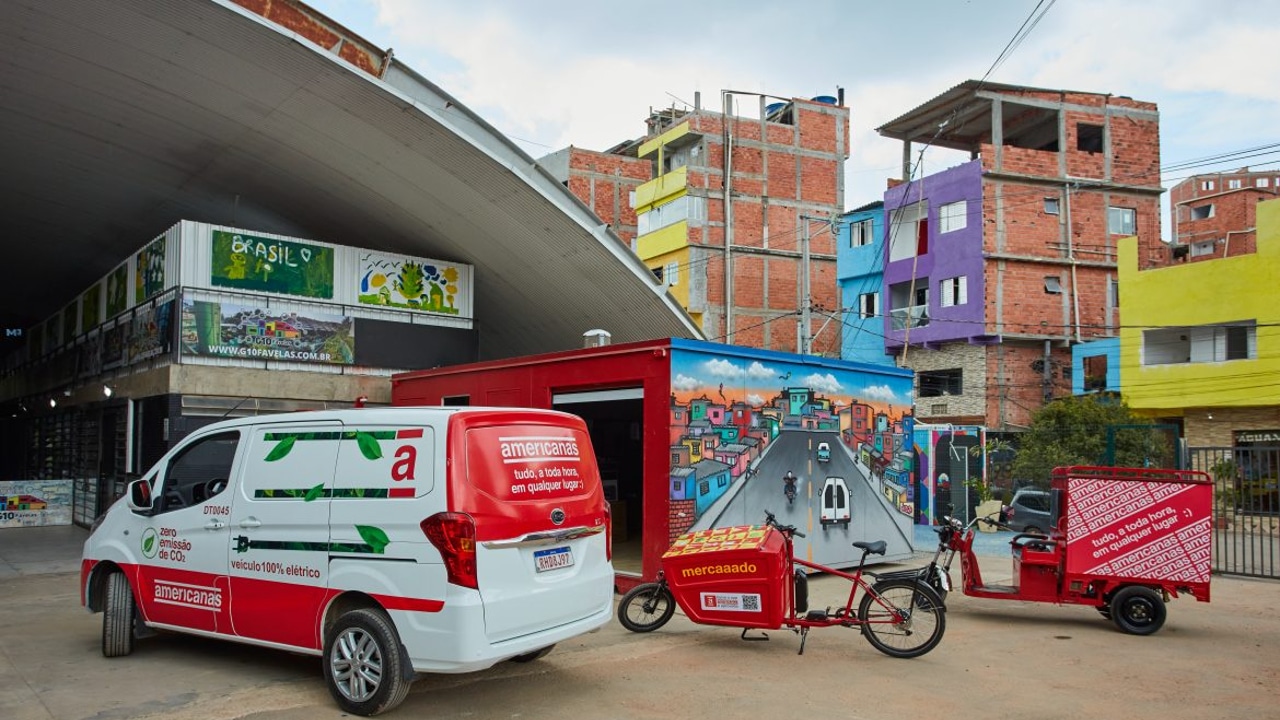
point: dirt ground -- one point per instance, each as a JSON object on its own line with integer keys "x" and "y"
{"x": 998, "y": 659}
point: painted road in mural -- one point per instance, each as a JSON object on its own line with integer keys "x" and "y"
{"x": 818, "y": 509}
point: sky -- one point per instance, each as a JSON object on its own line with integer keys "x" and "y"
{"x": 554, "y": 73}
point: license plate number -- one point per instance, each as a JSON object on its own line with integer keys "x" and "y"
{"x": 552, "y": 559}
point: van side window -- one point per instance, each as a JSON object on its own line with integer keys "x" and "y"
{"x": 199, "y": 472}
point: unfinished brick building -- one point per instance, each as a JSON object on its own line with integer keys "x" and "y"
{"x": 785, "y": 176}
{"x": 1215, "y": 215}
{"x": 996, "y": 267}
{"x": 605, "y": 181}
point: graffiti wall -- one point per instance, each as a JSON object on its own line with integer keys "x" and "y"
{"x": 741, "y": 422}
{"x": 414, "y": 283}
{"x": 949, "y": 462}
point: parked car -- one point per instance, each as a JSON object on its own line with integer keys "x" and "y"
{"x": 824, "y": 452}
{"x": 835, "y": 503}
{"x": 1030, "y": 510}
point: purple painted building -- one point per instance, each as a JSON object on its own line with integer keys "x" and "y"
{"x": 933, "y": 279}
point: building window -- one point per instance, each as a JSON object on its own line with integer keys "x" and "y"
{"x": 1095, "y": 373}
{"x": 909, "y": 306}
{"x": 1206, "y": 185}
{"x": 1200, "y": 344}
{"x": 909, "y": 232}
{"x": 869, "y": 305}
{"x": 952, "y": 216}
{"x": 1051, "y": 206}
{"x": 685, "y": 207}
{"x": 704, "y": 487}
{"x": 1204, "y": 212}
{"x": 1202, "y": 248}
{"x": 936, "y": 383}
{"x": 659, "y": 273}
{"x": 676, "y": 487}
{"x": 1122, "y": 221}
{"x": 862, "y": 233}
{"x": 955, "y": 291}
{"x": 1234, "y": 184}
{"x": 938, "y": 409}
{"x": 673, "y": 274}
{"x": 1053, "y": 284}
{"x": 1089, "y": 137}
{"x": 1262, "y": 182}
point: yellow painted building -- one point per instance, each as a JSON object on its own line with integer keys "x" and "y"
{"x": 1200, "y": 342}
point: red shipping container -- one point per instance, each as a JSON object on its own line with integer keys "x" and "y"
{"x": 730, "y": 576}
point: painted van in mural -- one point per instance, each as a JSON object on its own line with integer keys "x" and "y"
{"x": 386, "y": 541}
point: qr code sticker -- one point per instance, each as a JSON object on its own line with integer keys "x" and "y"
{"x": 751, "y": 603}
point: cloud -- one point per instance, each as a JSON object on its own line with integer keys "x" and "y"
{"x": 755, "y": 400}
{"x": 722, "y": 369}
{"x": 685, "y": 383}
{"x": 757, "y": 371}
{"x": 823, "y": 383}
{"x": 878, "y": 392}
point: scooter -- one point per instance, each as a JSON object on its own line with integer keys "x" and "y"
{"x": 789, "y": 489}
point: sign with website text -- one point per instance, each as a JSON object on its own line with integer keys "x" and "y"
{"x": 212, "y": 329}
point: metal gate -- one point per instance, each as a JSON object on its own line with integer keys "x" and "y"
{"x": 1246, "y": 508}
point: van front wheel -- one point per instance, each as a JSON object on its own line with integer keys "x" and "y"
{"x": 364, "y": 663}
{"x": 117, "y": 617}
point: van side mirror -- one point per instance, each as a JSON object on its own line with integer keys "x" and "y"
{"x": 139, "y": 495}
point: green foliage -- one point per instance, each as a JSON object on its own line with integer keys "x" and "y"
{"x": 1073, "y": 431}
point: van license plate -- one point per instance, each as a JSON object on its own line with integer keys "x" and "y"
{"x": 552, "y": 559}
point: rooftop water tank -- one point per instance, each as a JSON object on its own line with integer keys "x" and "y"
{"x": 825, "y": 99}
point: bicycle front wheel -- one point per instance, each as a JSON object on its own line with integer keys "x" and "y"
{"x": 646, "y": 607}
{"x": 902, "y": 618}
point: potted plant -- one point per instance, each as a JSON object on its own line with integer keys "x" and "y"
{"x": 1226, "y": 493}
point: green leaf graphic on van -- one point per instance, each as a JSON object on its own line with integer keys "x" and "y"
{"x": 313, "y": 493}
{"x": 148, "y": 543}
{"x": 282, "y": 449}
{"x": 369, "y": 446}
{"x": 375, "y": 537}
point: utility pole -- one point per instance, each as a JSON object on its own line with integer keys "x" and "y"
{"x": 806, "y": 336}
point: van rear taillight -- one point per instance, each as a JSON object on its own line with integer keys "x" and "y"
{"x": 608, "y": 531}
{"x": 454, "y": 535}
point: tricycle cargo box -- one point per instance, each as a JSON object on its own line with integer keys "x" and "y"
{"x": 729, "y": 576}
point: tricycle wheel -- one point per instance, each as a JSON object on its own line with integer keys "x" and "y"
{"x": 646, "y": 607}
{"x": 1137, "y": 610}
{"x": 902, "y": 618}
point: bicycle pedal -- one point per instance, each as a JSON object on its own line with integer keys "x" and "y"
{"x": 816, "y": 615}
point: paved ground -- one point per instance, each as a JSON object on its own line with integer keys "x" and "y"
{"x": 998, "y": 660}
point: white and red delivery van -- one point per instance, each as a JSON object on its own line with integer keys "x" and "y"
{"x": 388, "y": 541}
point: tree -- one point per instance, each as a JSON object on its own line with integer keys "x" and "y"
{"x": 1073, "y": 431}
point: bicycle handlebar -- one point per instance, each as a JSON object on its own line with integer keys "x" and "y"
{"x": 770, "y": 520}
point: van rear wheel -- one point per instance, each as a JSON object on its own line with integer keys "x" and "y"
{"x": 364, "y": 663}
{"x": 117, "y": 617}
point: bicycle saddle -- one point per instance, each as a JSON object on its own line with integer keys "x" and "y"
{"x": 875, "y": 548}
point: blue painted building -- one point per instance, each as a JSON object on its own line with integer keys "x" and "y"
{"x": 860, "y": 258}
{"x": 1095, "y": 366}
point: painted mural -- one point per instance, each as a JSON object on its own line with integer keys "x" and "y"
{"x": 35, "y": 503}
{"x": 151, "y": 333}
{"x": 949, "y": 459}
{"x": 90, "y": 307}
{"x": 70, "y": 316}
{"x": 52, "y": 333}
{"x": 413, "y": 283}
{"x": 740, "y": 423}
{"x": 148, "y": 271}
{"x": 247, "y": 262}
{"x": 117, "y": 291}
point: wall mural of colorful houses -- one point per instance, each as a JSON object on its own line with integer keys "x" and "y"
{"x": 740, "y": 422}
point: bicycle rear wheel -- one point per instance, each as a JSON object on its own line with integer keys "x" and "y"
{"x": 646, "y": 607}
{"x": 921, "y": 618}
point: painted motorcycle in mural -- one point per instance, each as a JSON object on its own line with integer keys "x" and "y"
{"x": 789, "y": 487}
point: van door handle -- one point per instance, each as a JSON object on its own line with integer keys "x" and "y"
{"x": 250, "y": 522}
{"x": 214, "y": 525}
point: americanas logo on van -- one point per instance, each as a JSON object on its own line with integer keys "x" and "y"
{"x": 536, "y": 463}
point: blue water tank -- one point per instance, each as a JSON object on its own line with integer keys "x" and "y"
{"x": 772, "y": 108}
{"x": 825, "y": 99}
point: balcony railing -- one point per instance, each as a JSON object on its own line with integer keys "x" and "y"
{"x": 912, "y": 316}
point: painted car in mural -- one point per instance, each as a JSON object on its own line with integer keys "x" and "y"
{"x": 739, "y": 423}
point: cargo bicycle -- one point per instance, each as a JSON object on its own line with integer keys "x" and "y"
{"x": 749, "y": 577}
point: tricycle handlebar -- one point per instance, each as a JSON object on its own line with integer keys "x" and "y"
{"x": 772, "y": 521}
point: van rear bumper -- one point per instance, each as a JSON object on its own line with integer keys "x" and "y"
{"x": 453, "y": 640}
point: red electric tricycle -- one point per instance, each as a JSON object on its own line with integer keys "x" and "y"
{"x": 749, "y": 577}
{"x": 1122, "y": 540}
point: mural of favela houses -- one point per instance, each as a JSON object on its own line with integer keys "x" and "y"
{"x": 739, "y": 424}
